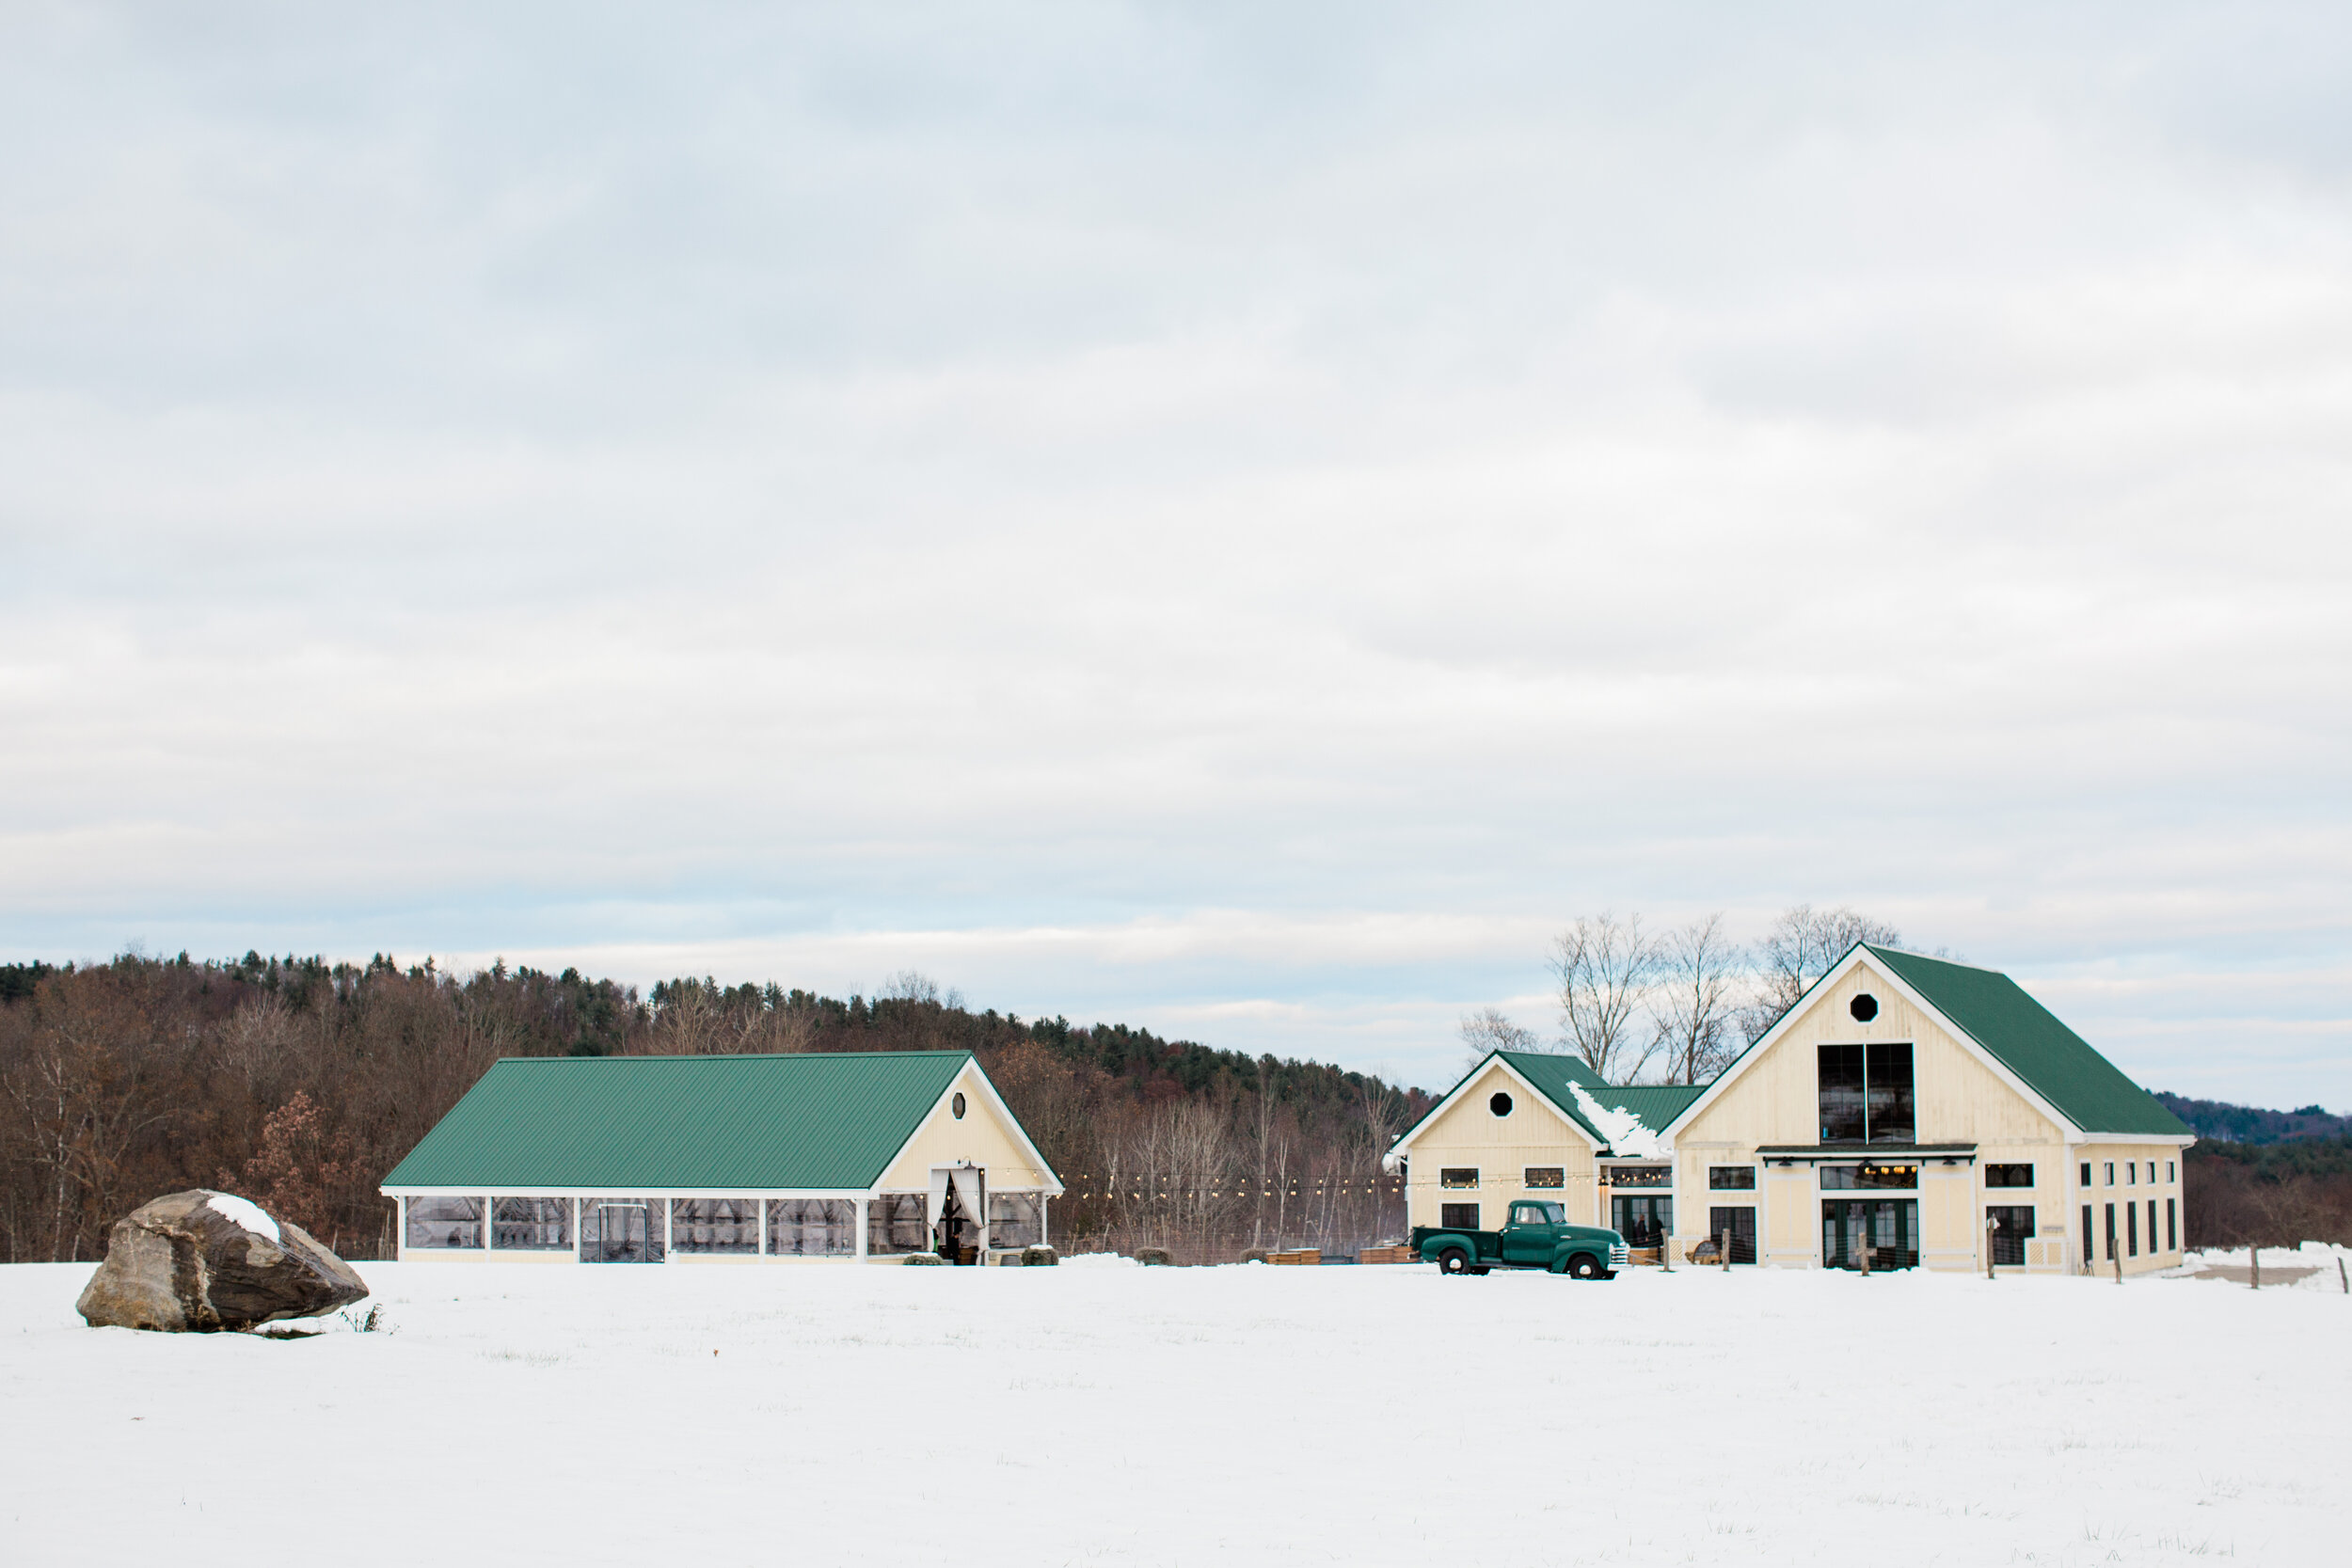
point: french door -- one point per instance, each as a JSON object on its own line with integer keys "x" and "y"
{"x": 1888, "y": 1226}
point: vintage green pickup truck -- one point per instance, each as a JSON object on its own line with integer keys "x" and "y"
{"x": 1536, "y": 1236}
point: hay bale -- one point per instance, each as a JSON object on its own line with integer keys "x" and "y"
{"x": 1039, "y": 1257}
{"x": 1153, "y": 1256}
{"x": 1255, "y": 1255}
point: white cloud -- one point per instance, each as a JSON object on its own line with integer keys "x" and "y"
{"x": 1298, "y": 507}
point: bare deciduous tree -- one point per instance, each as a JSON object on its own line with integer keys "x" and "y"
{"x": 1606, "y": 967}
{"x": 1486, "y": 1031}
{"x": 1799, "y": 949}
{"x": 1697, "y": 999}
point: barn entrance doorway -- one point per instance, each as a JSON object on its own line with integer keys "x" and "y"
{"x": 1887, "y": 1228}
{"x": 959, "y": 1213}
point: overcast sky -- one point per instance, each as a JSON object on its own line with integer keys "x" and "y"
{"x": 1241, "y": 522}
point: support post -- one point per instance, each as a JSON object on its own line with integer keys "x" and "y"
{"x": 2255, "y": 1252}
{"x": 1992, "y": 1224}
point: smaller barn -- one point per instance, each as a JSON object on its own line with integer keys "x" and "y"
{"x": 842, "y": 1157}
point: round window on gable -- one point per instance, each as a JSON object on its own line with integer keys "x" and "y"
{"x": 956, "y": 1105}
{"x": 1500, "y": 1104}
{"x": 1863, "y": 1008}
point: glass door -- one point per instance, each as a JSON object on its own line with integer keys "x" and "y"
{"x": 1644, "y": 1221}
{"x": 1888, "y": 1226}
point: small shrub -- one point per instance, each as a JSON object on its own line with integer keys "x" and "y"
{"x": 1153, "y": 1256}
{"x": 371, "y": 1322}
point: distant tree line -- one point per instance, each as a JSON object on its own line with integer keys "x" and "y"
{"x": 2268, "y": 1195}
{"x": 300, "y": 1083}
{"x": 2245, "y": 1124}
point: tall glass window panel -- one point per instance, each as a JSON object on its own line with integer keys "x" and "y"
{"x": 1841, "y": 1094}
{"x": 709, "y": 1227}
{"x": 1891, "y": 1117}
{"x": 1015, "y": 1219}
{"x": 897, "y": 1223}
{"x": 531, "y": 1224}
{"x": 444, "y": 1222}
{"x": 1739, "y": 1224}
{"x": 812, "y": 1227}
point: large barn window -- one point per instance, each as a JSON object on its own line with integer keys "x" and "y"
{"x": 1866, "y": 1093}
{"x": 2011, "y": 1227}
{"x": 714, "y": 1225}
{"x": 621, "y": 1230}
{"x": 897, "y": 1221}
{"x": 530, "y": 1224}
{"x": 1015, "y": 1219}
{"x": 812, "y": 1227}
{"x": 444, "y": 1222}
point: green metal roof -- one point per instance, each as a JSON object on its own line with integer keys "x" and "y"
{"x": 621, "y": 1123}
{"x": 2027, "y": 1037}
{"x": 1653, "y": 1104}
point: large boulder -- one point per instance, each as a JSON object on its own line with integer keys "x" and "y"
{"x": 201, "y": 1261}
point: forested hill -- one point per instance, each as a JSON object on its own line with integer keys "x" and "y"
{"x": 2244, "y": 1124}
{"x": 301, "y": 1082}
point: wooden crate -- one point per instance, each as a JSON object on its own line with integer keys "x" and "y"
{"x": 1385, "y": 1255}
{"x": 1304, "y": 1254}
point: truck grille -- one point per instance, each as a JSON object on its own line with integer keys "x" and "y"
{"x": 1619, "y": 1256}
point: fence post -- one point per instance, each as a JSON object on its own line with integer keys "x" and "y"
{"x": 1992, "y": 1224}
{"x": 2255, "y": 1252}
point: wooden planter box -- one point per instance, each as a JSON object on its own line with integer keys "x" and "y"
{"x": 1304, "y": 1254}
{"x": 1385, "y": 1255}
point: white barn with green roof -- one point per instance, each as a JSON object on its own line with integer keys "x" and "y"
{"x": 844, "y": 1157}
{"x": 1911, "y": 1111}
{"x": 1907, "y": 1112}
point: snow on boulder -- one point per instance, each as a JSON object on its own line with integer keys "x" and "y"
{"x": 1627, "y": 1136}
{"x": 201, "y": 1261}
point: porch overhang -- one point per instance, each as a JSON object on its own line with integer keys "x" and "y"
{"x": 1814, "y": 1154}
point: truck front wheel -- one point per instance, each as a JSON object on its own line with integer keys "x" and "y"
{"x": 1453, "y": 1260}
{"x": 1584, "y": 1266}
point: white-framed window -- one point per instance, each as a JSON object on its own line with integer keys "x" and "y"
{"x": 812, "y": 1227}
{"x": 1016, "y": 1219}
{"x": 1460, "y": 1178}
{"x": 897, "y": 1223}
{"x": 2110, "y": 1173}
{"x": 709, "y": 1226}
{"x": 530, "y": 1224}
{"x": 443, "y": 1222}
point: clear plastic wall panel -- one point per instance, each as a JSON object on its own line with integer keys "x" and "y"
{"x": 444, "y": 1222}
{"x": 714, "y": 1225}
{"x": 899, "y": 1222}
{"x": 530, "y": 1224}
{"x": 1014, "y": 1219}
{"x": 620, "y": 1230}
{"x": 812, "y": 1227}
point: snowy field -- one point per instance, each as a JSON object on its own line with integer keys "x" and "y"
{"x": 1099, "y": 1413}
